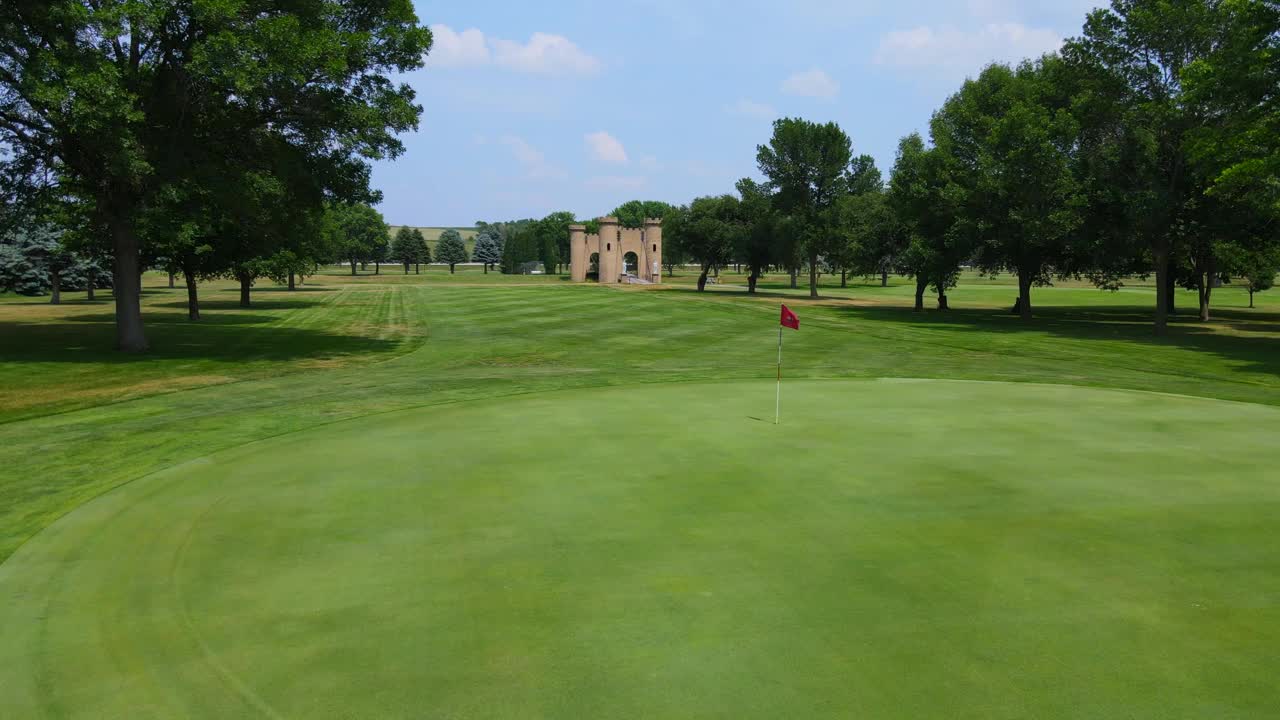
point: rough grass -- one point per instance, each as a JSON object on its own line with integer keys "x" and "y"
{"x": 1175, "y": 501}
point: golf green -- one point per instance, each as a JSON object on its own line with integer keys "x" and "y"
{"x": 905, "y": 548}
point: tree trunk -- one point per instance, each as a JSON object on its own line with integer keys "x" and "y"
{"x": 1171, "y": 282}
{"x": 377, "y": 268}
{"x": 244, "y": 290}
{"x": 702, "y": 280}
{"x": 1205, "y": 280}
{"x": 843, "y": 275}
{"x": 795, "y": 272}
{"x": 486, "y": 268}
{"x": 170, "y": 280}
{"x": 1024, "y": 296}
{"x": 717, "y": 271}
{"x": 751, "y": 283}
{"x": 291, "y": 287}
{"x": 55, "y": 278}
{"x": 1164, "y": 293}
{"x": 364, "y": 265}
{"x": 353, "y": 267}
{"x": 884, "y": 278}
{"x": 417, "y": 268}
{"x": 813, "y": 275}
{"x": 193, "y": 298}
{"x": 1250, "y": 297}
{"x": 130, "y": 335}
{"x": 450, "y": 268}
{"x": 942, "y": 300}
{"x": 922, "y": 284}
{"x": 89, "y": 290}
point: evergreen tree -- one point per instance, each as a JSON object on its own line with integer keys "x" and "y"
{"x": 451, "y": 249}
{"x": 405, "y": 248}
{"x": 486, "y": 250}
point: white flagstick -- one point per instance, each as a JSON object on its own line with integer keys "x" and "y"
{"x": 777, "y": 401}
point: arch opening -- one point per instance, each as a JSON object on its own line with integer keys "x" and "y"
{"x": 631, "y": 264}
{"x": 593, "y": 267}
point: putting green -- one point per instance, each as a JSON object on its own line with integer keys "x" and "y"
{"x": 894, "y": 549}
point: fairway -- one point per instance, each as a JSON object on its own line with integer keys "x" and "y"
{"x": 666, "y": 551}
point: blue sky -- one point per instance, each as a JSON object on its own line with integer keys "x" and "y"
{"x": 532, "y": 107}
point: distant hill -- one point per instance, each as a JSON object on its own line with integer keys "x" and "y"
{"x": 432, "y": 234}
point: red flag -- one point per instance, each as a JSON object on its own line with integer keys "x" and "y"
{"x": 789, "y": 319}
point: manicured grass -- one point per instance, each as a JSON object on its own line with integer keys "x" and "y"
{"x": 490, "y": 496}
{"x": 665, "y": 551}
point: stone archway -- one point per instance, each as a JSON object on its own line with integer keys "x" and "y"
{"x": 593, "y": 267}
{"x": 631, "y": 264}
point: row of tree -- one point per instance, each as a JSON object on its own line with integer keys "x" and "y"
{"x": 1149, "y": 146}
{"x": 212, "y": 138}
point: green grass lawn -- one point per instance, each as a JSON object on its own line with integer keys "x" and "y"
{"x": 490, "y": 496}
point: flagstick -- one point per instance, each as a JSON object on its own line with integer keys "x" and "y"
{"x": 777, "y": 401}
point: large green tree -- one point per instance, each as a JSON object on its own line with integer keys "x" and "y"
{"x": 1238, "y": 149}
{"x": 1009, "y": 139}
{"x": 633, "y": 213}
{"x": 1127, "y": 68}
{"x": 451, "y": 249}
{"x": 754, "y": 244}
{"x": 807, "y": 166}
{"x": 109, "y": 95}
{"x": 405, "y": 248}
{"x": 359, "y": 232}
{"x": 921, "y": 195}
{"x": 705, "y": 232}
{"x": 486, "y": 251}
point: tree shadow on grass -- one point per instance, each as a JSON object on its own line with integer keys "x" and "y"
{"x": 299, "y": 289}
{"x": 1252, "y": 353}
{"x": 234, "y": 305}
{"x": 88, "y": 341}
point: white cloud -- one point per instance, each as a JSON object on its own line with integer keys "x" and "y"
{"x": 811, "y": 83}
{"x": 616, "y": 182}
{"x": 457, "y": 49}
{"x": 606, "y": 148}
{"x": 534, "y": 162}
{"x": 544, "y": 53}
{"x": 955, "y": 50}
{"x": 750, "y": 108}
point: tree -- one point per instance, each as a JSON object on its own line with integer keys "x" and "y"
{"x": 522, "y": 247}
{"x": 633, "y": 213}
{"x": 705, "y": 232}
{"x": 876, "y": 236}
{"x": 486, "y": 250}
{"x": 424, "y": 250}
{"x": 754, "y": 244}
{"x": 553, "y": 239}
{"x": 109, "y": 95}
{"x": 807, "y": 165}
{"x": 1127, "y": 69}
{"x": 1234, "y": 84}
{"x": 1259, "y": 269}
{"x": 35, "y": 260}
{"x": 359, "y": 232}
{"x": 450, "y": 249}
{"x": 1009, "y": 139}
{"x": 405, "y": 248}
{"x": 921, "y": 196}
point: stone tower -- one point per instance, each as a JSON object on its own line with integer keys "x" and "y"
{"x": 622, "y": 252}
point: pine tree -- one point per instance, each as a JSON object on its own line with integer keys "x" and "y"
{"x": 451, "y": 249}
{"x": 486, "y": 250}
